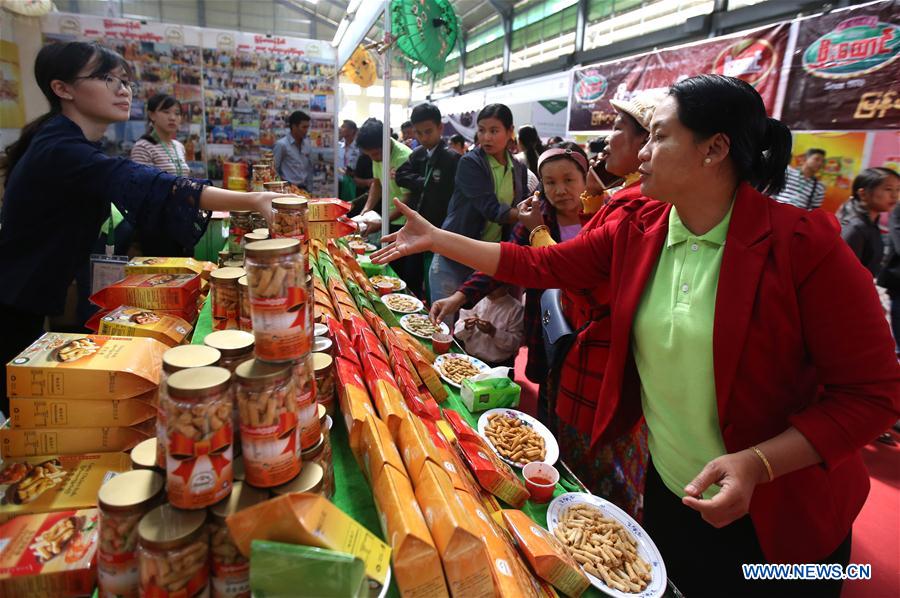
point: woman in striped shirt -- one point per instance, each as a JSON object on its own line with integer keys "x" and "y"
{"x": 159, "y": 148}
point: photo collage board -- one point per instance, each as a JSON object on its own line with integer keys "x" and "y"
{"x": 236, "y": 90}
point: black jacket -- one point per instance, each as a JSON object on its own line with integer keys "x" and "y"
{"x": 861, "y": 234}
{"x": 890, "y": 274}
{"x": 432, "y": 196}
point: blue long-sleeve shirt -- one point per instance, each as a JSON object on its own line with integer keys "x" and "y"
{"x": 58, "y": 196}
{"x": 293, "y": 162}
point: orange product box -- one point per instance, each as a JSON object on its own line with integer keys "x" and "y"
{"x": 417, "y": 564}
{"x": 388, "y": 400}
{"x": 85, "y": 366}
{"x": 492, "y": 474}
{"x": 458, "y": 540}
{"x": 310, "y": 519}
{"x": 429, "y": 377}
{"x": 420, "y": 402}
{"x": 331, "y": 229}
{"x": 169, "y": 265}
{"x": 413, "y": 345}
{"x": 28, "y": 442}
{"x": 26, "y": 412}
{"x": 322, "y": 311}
{"x": 368, "y": 343}
{"x": 460, "y": 428}
{"x": 46, "y": 484}
{"x": 151, "y": 291}
{"x": 380, "y": 449}
{"x": 355, "y": 404}
{"x": 416, "y": 447}
{"x": 49, "y": 554}
{"x": 448, "y": 458}
{"x": 546, "y": 555}
{"x": 134, "y": 321}
{"x": 327, "y": 208}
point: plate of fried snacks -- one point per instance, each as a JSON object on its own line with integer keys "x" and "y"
{"x": 421, "y": 325}
{"x": 397, "y": 283}
{"x": 517, "y": 437}
{"x": 404, "y": 304}
{"x": 615, "y": 552}
{"x": 456, "y": 367}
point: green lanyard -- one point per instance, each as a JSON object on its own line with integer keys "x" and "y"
{"x": 173, "y": 159}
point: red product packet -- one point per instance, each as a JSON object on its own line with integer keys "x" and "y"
{"x": 492, "y": 474}
{"x": 462, "y": 430}
{"x": 368, "y": 344}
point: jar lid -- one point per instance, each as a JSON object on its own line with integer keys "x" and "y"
{"x": 242, "y": 496}
{"x": 143, "y": 456}
{"x": 240, "y": 212}
{"x": 290, "y": 203}
{"x": 272, "y": 247}
{"x": 198, "y": 381}
{"x": 320, "y": 409}
{"x": 321, "y": 361}
{"x": 230, "y": 343}
{"x": 227, "y": 274}
{"x": 254, "y": 237}
{"x": 183, "y": 357}
{"x": 314, "y": 451}
{"x": 310, "y": 479}
{"x": 254, "y": 371}
{"x": 261, "y": 231}
{"x": 237, "y": 467}
{"x": 166, "y": 527}
{"x": 321, "y": 344}
{"x": 234, "y": 264}
{"x": 131, "y": 490}
{"x": 242, "y": 281}
{"x": 320, "y": 329}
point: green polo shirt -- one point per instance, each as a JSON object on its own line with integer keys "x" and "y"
{"x": 399, "y": 155}
{"x": 673, "y": 350}
{"x": 503, "y": 188}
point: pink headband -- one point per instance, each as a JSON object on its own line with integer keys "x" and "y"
{"x": 558, "y": 151}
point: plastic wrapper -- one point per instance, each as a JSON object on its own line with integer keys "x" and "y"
{"x": 278, "y": 569}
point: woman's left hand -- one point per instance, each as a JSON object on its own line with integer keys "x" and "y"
{"x": 737, "y": 475}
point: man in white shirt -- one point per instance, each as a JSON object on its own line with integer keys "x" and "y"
{"x": 292, "y": 153}
{"x": 801, "y": 187}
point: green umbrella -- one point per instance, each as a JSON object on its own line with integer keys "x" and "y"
{"x": 426, "y": 30}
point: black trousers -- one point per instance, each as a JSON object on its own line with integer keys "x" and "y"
{"x": 704, "y": 561}
{"x": 20, "y": 329}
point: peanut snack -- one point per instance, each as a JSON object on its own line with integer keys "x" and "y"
{"x": 603, "y": 548}
{"x": 514, "y": 439}
{"x": 395, "y": 282}
{"x": 458, "y": 369}
{"x": 173, "y": 570}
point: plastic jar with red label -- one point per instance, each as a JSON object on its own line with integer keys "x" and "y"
{"x": 246, "y": 323}
{"x": 318, "y": 454}
{"x": 173, "y": 549}
{"x": 239, "y": 226}
{"x": 307, "y": 407}
{"x": 278, "y": 299}
{"x": 323, "y": 368}
{"x": 290, "y": 218}
{"x": 270, "y": 429}
{"x": 123, "y": 501}
{"x": 226, "y": 302}
{"x": 230, "y": 569}
{"x": 174, "y": 360}
{"x": 200, "y": 450}
{"x": 235, "y": 346}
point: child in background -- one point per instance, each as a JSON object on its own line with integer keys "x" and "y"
{"x": 494, "y": 329}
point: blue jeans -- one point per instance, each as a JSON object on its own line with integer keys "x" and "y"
{"x": 444, "y": 277}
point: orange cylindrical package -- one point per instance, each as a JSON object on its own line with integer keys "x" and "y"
{"x": 380, "y": 449}
{"x": 417, "y": 565}
{"x": 546, "y": 555}
{"x": 458, "y": 540}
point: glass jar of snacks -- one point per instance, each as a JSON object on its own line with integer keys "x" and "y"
{"x": 173, "y": 548}
{"x": 235, "y": 347}
{"x": 323, "y": 366}
{"x": 261, "y": 231}
{"x": 239, "y": 226}
{"x": 198, "y": 409}
{"x": 269, "y": 424}
{"x": 143, "y": 456}
{"x": 310, "y": 479}
{"x": 290, "y": 218}
{"x": 260, "y": 176}
{"x": 246, "y": 322}
{"x": 276, "y": 186}
{"x": 307, "y": 408}
{"x": 123, "y": 501}
{"x": 250, "y": 238}
{"x": 225, "y": 298}
{"x": 318, "y": 455}
{"x": 258, "y": 221}
{"x": 224, "y": 256}
{"x": 230, "y": 569}
{"x": 174, "y": 360}
{"x": 278, "y": 301}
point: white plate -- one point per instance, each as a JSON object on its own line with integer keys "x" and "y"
{"x": 550, "y": 445}
{"x": 399, "y": 283}
{"x": 404, "y": 323}
{"x": 482, "y": 366}
{"x": 416, "y": 302}
{"x": 647, "y": 550}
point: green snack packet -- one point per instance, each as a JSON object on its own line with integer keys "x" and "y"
{"x": 383, "y": 311}
{"x": 368, "y": 267}
{"x": 278, "y": 569}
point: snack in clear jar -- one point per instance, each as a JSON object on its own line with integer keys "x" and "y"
{"x": 198, "y": 408}
{"x": 323, "y": 366}
{"x": 235, "y": 346}
{"x": 225, "y": 298}
{"x": 276, "y": 186}
{"x": 240, "y": 225}
{"x": 252, "y": 237}
{"x": 173, "y": 549}
{"x": 258, "y": 221}
{"x": 246, "y": 323}
{"x": 230, "y": 569}
{"x": 174, "y": 360}
{"x": 270, "y": 430}
{"x": 318, "y": 454}
{"x": 307, "y": 406}
{"x": 289, "y": 218}
{"x": 123, "y": 501}
{"x": 278, "y": 299}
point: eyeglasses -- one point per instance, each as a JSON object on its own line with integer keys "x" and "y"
{"x": 113, "y": 83}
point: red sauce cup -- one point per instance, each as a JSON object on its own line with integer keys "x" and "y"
{"x": 384, "y": 288}
{"x": 359, "y": 249}
{"x": 441, "y": 342}
{"x": 540, "y": 480}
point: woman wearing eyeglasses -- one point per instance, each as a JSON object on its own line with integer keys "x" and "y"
{"x": 60, "y": 185}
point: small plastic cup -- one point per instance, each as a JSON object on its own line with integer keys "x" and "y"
{"x": 359, "y": 249}
{"x": 540, "y": 480}
{"x": 441, "y": 342}
{"x": 384, "y": 288}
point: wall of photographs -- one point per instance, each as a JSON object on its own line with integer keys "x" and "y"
{"x": 236, "y": 90}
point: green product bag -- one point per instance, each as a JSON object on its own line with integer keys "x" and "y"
{"x": 278, "y": 569}
{"x": 493, "y": 393}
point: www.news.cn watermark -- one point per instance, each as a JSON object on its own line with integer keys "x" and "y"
{"x": 807, "y": 571}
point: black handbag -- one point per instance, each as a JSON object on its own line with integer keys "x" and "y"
{"x": 557, "y": 332}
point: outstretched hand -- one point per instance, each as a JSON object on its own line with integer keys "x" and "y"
{"x": 416, "y": 236}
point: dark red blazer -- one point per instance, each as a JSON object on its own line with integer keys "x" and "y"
{"x": 799, "y": 339}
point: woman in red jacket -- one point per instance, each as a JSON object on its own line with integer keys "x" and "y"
{"x": 744, "y": 331}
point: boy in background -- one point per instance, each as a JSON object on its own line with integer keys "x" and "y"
{"x": 494, "y": 329}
